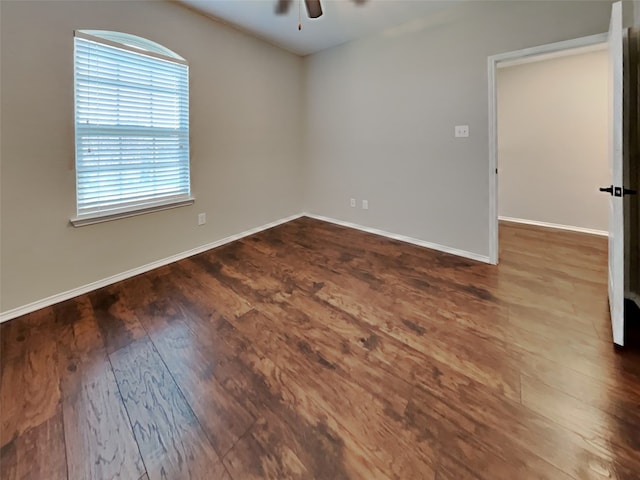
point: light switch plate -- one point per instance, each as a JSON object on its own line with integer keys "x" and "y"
{"x": 461, "y": 131}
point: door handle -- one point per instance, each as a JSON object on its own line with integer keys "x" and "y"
{"x": 608, "y": 189}
{"x": 628, "y": 191}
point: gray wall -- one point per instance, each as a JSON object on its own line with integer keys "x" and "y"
{"x": 553, "y": 140}
{"x": 245, "y": 142}
{"x": 381, "y": 113}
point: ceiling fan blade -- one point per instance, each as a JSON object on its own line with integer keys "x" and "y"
{"x": 314, "y": 9}
{"x": 282, "y": 6}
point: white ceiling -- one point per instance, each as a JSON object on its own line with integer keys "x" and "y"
{"x": 343, "y": 20}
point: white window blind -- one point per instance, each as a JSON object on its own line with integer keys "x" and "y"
{"x": 131, "y": 127}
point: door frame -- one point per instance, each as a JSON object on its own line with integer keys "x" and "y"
{"x": 492, "y": 66}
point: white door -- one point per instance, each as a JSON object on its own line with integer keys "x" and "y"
{"x": 616, "y": 218}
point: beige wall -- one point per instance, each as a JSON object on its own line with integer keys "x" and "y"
{"x": 553, "y": 140}
{"x": 245, "y": 142}
{"x": 381, "y": 113}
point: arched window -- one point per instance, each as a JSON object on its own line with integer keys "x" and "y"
{"x": 131, "y": 126}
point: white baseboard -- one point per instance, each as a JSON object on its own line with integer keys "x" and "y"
{"x": 60, "y": 297}
{"x": 403, "y": 238}
{"x": 557, "y": 226}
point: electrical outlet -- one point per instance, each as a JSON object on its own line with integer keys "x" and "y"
{"x": 202, "y": 218}
{"x": 365, "y": 204}
{"x": 461, "y": 131}
{"x": 353, "y": 203}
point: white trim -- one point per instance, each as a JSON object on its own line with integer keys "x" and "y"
{"x": 404, "y": 238}
{"x": 93, "y": 218}
{"x": 597, "y": 47}
{"x": 557, "y": 226}
{"x": 60, "y": 297}
{"x": 130, "y": 48}
{"x": 548, "y": 48}
{"x": 493, "y": 162}
{"x": 492, "y": 65}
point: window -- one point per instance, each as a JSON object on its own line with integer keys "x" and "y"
{"x": 131, "y": 127}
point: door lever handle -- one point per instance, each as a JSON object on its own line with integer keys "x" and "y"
{"x": 628, "y": 191}
{"x": 608, "y": 189}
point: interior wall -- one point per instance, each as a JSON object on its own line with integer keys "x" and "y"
{"x": 245, "y": 143}
{"x": 381, "y": 113}
{"x": 553, "y": 127}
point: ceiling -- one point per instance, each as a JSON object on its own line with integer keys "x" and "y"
{"x": 343, "y": 20}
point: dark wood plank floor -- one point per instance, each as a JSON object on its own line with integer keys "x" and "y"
{"x": 314, "y": 351}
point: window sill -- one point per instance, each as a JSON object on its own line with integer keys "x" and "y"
{"x": 91, "y": 219}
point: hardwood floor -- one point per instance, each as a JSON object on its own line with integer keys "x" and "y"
{"x": 314, "y": 351}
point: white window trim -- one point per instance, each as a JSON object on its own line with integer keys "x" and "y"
{"x": 122, "y": 46}
{"x": 92, "y": 219}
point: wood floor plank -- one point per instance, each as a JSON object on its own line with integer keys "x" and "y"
{"x": 99, "y": 438}
{"x": 374, "y": 428}
{"x": 118, "y": 325}
{"x": 223, "y": 418}
{"x": 451, "y": 469}
{"x": 608, "y": 390}
{"x": 256, "y": 457}
{"x": 207, "y": 290}
{"x": 170, "y": 438}
{"x": 479, "y": 447}
{"x": 310, "y": 435}
{"x": 185, "y": 336}
{"x": 397, "y": 318}
{"x": 614, "y": 436}
{"x": 37, "y": 454}
{"x": 448, "y": 346}
{"x": 29, "y": 390}
{"x": 465, "y": 305}
{"x": 291, "y": 432}
{"x": 564, "y": 449}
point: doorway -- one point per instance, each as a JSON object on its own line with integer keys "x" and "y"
{"x": 623, "y": 49}
{"x": 553, "y": 140}
{"x": 494, "y": 63}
